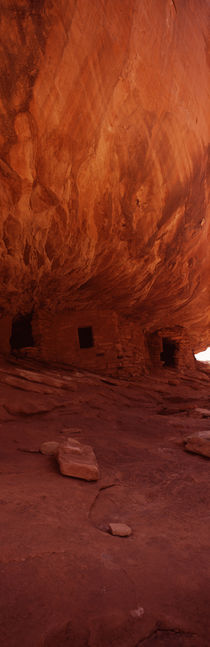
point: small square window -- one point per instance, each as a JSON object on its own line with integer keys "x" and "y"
{"x": 85, "y": 337}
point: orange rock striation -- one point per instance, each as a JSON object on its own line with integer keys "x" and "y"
{"x": 104, "y": 161}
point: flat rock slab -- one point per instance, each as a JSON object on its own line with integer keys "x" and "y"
{"x": 120, "y": 529}
{"x": 77, "y": 460}
{"x": 198, "y": 443}
{"x": 49, "y": 447}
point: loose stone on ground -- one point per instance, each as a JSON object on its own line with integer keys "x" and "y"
{"x": 198, "y": 443}
{"x": 49, "y": 447}
{"x": 77, "y": 460}
{"x": 120, "y": 529}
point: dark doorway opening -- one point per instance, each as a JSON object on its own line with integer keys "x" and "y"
{"x": 21, "y": 336}
{"x": 85, "y": 337}
{"x": 169, "y": 352}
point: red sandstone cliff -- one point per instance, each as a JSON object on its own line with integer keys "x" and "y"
{"x": 104, "y": 161}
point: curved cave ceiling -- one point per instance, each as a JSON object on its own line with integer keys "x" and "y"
{"x": 104, "y": 160}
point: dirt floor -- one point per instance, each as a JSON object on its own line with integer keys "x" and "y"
{"x": 64, "y": 579}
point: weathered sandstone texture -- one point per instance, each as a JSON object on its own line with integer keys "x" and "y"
{"x": 104, "y": 172}
{"x": 77, "y": 460}
{"x": 66, "y": 581}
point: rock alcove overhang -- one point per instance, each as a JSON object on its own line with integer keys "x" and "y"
{"x": 104, "y": 162}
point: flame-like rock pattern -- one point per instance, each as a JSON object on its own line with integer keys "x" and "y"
{"x": 104, "y": 158}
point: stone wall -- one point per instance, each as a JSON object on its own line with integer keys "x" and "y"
{"x": 120, "y": 346}
{"x": 183, "y": 354}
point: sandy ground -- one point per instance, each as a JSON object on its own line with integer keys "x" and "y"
{"x": 64, "y": 579}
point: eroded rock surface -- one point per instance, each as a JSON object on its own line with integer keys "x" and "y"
{"x": 65, "y": 579}
{"x": 104, "y": 162}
